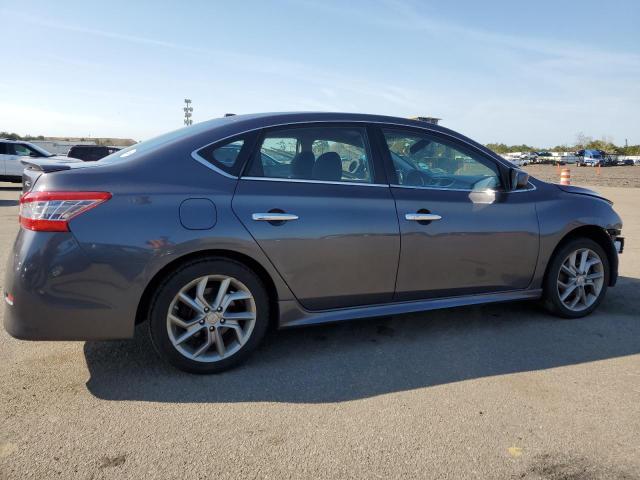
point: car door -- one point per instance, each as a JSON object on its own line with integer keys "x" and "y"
{"x": 461, "y": 231}
{"x": 13, "y": 165}
{"x": 316, "y": 201}
{"x": 3, "y": 156}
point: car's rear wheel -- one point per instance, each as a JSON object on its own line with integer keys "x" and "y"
{"x": 209, "y": 315}
{"x": 577, "y": 279}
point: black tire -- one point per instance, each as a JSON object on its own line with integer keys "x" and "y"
{"x": 175, "y": 281}
{"x": 551, "y": 298}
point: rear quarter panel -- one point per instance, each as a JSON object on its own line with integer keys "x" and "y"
{"x": 131, "y": 237}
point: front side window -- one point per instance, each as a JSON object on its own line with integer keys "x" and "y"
{"x": 337, "y": 154}
{"x": 420, "y": 160}
{"x": 21, "y": 150}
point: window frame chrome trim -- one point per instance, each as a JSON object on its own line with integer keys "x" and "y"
{"x": 208, "y": 164}
{"x": 302, "y": 180}
{"x": 198, "y": 158}
{"x": 418, "y": 187}
{"x": 524, "y": 190}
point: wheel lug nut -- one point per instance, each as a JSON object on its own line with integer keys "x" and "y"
{"x": 201, "y": 322}
{"x": 211, "y": 329}
{"x": 222, "y": 320}
{"x": 206, "y": 309}
{"x": 219, "y": 309}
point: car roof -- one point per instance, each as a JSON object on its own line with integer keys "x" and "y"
{"x": 236, "y": 124}
{"x": 6, "y": 140}
{"x": 262, "y": 120}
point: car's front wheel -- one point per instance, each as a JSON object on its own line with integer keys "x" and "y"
{"x": 208, "y": 315}
{"x": 577, "y": 279}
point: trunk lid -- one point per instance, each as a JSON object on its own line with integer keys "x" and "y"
{"x": 35, "y": 168}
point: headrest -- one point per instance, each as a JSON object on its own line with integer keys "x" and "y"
{"x": 328, "y": 167}
{"x": 302, "y": 165}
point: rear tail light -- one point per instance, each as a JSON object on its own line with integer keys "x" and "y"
{"x": 51, "y": 211}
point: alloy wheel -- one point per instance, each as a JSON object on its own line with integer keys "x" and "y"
{"x": 211, "y": 318}
{"x": 580, "y": 279}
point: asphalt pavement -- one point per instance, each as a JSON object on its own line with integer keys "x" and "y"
{"x": 488, "y": 392}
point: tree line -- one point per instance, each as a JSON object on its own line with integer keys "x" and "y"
{"x": 582, "y": 142}
{"x": 97, "y": 141}
{"x": 15, "y": 136}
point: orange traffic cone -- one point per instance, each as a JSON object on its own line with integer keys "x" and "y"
{"x": 565, "y": 177}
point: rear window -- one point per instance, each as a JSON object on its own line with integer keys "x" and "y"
{"x": 88, "y": 150}
{"x": 153, "y": 143}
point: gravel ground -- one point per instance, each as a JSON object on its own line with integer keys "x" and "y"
{"x": 486, "y": 392}
{"x": 618, "y": 176}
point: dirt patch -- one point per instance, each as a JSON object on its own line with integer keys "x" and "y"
{"x": 618, "y": 176}
{"x": 551, "y": 467}
{"x": 109, "y": 462}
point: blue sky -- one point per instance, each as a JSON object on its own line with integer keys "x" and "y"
{"x": 517, "y": 72}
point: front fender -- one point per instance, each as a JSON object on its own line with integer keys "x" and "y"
{"x": 561, "y": 214}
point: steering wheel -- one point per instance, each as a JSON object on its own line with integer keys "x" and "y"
{"x": 418, "y": 178}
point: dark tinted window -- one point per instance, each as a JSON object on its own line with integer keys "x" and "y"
{"x": 324, "y": 153}
{"x": 428, "y": 161}
{"x": 228, "y": 155}
{"x": 88, "y": 153}
{"x": 22, "y": 150}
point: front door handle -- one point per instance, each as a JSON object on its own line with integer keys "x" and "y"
{"x": 274, "y": 217}
{"x": 422, "y": 217}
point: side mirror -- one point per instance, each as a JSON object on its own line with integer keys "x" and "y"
{"x": 519, "y": 179}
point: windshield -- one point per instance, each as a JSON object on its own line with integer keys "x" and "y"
{"x": 40, "y": 150}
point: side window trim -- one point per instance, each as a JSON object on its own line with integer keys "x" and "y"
{"x": 248, "y": 146}
{"x": 446, "y": 139}
{"x": 302, "y": 180}
{"x": 255, "y": 151}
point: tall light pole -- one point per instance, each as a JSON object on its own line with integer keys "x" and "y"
{"x": 188, "y": 109}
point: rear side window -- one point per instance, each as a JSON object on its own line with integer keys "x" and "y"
{"x": 323, "y": 153}
{"x": 228, "y": 155}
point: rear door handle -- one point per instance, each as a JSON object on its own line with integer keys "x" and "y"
{"x": 422, "y": 217}
{"x": 273, "y": 217}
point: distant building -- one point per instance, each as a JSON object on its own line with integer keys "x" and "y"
{"x": 59, "y": 147}
{"x": 432, "y": 120}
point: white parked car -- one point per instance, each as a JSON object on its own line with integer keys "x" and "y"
{"x": 518, "y": 161}
{"x": 13, "y": 152}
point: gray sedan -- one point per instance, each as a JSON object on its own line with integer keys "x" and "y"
{"x": 212, "y": 233}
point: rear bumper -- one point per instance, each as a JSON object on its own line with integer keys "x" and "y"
{"x": 54, "y": 292}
